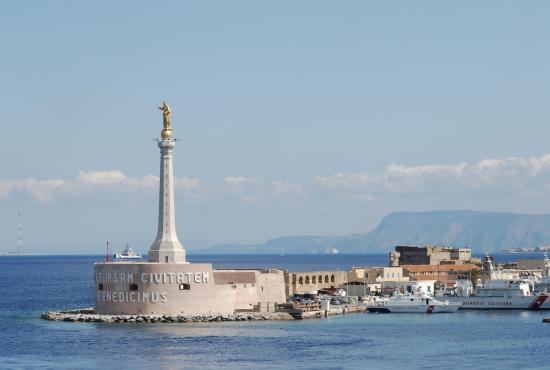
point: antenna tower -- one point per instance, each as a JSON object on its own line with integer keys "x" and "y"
{"x": 19, "y": 243}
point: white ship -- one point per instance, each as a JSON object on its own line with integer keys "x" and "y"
{"x": 128, "y": 254}
{"x": 414, "y": 304}
{"x": 499, "y": 293}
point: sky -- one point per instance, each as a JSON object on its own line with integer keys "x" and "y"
{"x": 294, "y": 118}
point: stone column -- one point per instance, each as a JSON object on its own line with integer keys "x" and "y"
{"x": 166, "y": 248}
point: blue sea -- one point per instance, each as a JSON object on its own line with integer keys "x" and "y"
{"x": 30, "y": 285}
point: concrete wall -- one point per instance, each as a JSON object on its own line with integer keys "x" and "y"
{"x": 173, "y": 288}
{"x": 412, "y": 255}
{"x": 531, "y": 264}
{"x": 429, "y": 255}
{"x": 373, "y": 275}
{"x": 271, "y": 286}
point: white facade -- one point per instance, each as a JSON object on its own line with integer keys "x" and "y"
{"x": 166, "y": 248}
{"x": 417, "y": 287}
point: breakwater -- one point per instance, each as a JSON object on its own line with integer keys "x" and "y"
{"x": 89, "y": 315}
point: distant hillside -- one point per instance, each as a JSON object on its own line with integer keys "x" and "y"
{"x": 482, "y": 231}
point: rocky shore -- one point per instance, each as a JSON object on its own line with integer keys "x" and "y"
{"x": 89, "y": 315}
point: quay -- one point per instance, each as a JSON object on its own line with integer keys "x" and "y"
{"x": 317, "y": 313}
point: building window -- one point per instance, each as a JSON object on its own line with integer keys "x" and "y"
{"x": 307, "y": 279}
{"x": 313, "y": 280}
{"x": 165, "y": 259}
{"x": 332, "y": 279}
{"x": 100, "y": 287}
{"x": 326, "y": 278}
{"x": 301, "y": 280}
{"x": 185, "y": 287}
{"x": 320, "y": 279}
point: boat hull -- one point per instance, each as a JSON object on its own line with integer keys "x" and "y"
{"x": 425, "y": 309}
{"x": 125, "y": 258}
{"x": 534, "y": 303}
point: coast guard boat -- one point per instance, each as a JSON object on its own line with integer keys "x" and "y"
{"x": 409, "y": 303}
{"x": 501, "y": 293}
{"x": 128, "y": 254}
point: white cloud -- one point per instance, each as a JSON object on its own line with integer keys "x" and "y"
{"x": 87, "y": 183}
{"x": 505, "y": 178}
{"x": 238, "y": 180}
{"x": 283, "y": 189}
{"x": 488, "y": 177}
{"x": 101, "y": 178}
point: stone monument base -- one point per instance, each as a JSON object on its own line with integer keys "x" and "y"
{"x": 148, "y": 288}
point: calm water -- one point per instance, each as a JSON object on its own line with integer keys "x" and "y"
{"x": 30, "y": 285}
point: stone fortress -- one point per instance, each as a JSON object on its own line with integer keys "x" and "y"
{"x": 169, "y": 285}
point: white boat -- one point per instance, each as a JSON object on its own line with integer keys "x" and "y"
{"x": 420, "y": 303}
{"x": 499, "y": 293}
{"x": 128, "y": 254}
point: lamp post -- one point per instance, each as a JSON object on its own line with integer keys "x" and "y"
{"x": 364, "y": 283}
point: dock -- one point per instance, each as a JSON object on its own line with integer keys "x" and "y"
{"x": 314, "y": 310}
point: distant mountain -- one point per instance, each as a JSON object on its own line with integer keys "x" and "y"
{"x": 290, "y": 245}
{"x": 481, "y": 231}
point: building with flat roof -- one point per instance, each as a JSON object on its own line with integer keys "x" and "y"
{"x": 368, "y": 280}
{"x": 429, "y": 255}
{"x": 440, "y": 272}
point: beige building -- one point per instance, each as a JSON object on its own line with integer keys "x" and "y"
{"x": 430, "y": 255}
{"x": 440, "y": 272}
{"x": 370, "y": 279}
{"x": 311, "y": 282}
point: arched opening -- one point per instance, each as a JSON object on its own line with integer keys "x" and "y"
{"x": 301, "y": 280}
{"x": 332, "y": 279}
{"x": 166, "y": 259}
{"x": 320, "y": 279}
{"x": 307, "y": 279}
{"x": 326, "y": 278}
{"x": 313, "y": 280}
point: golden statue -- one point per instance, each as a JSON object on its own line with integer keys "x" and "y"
{"x": 166, "y": 133}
